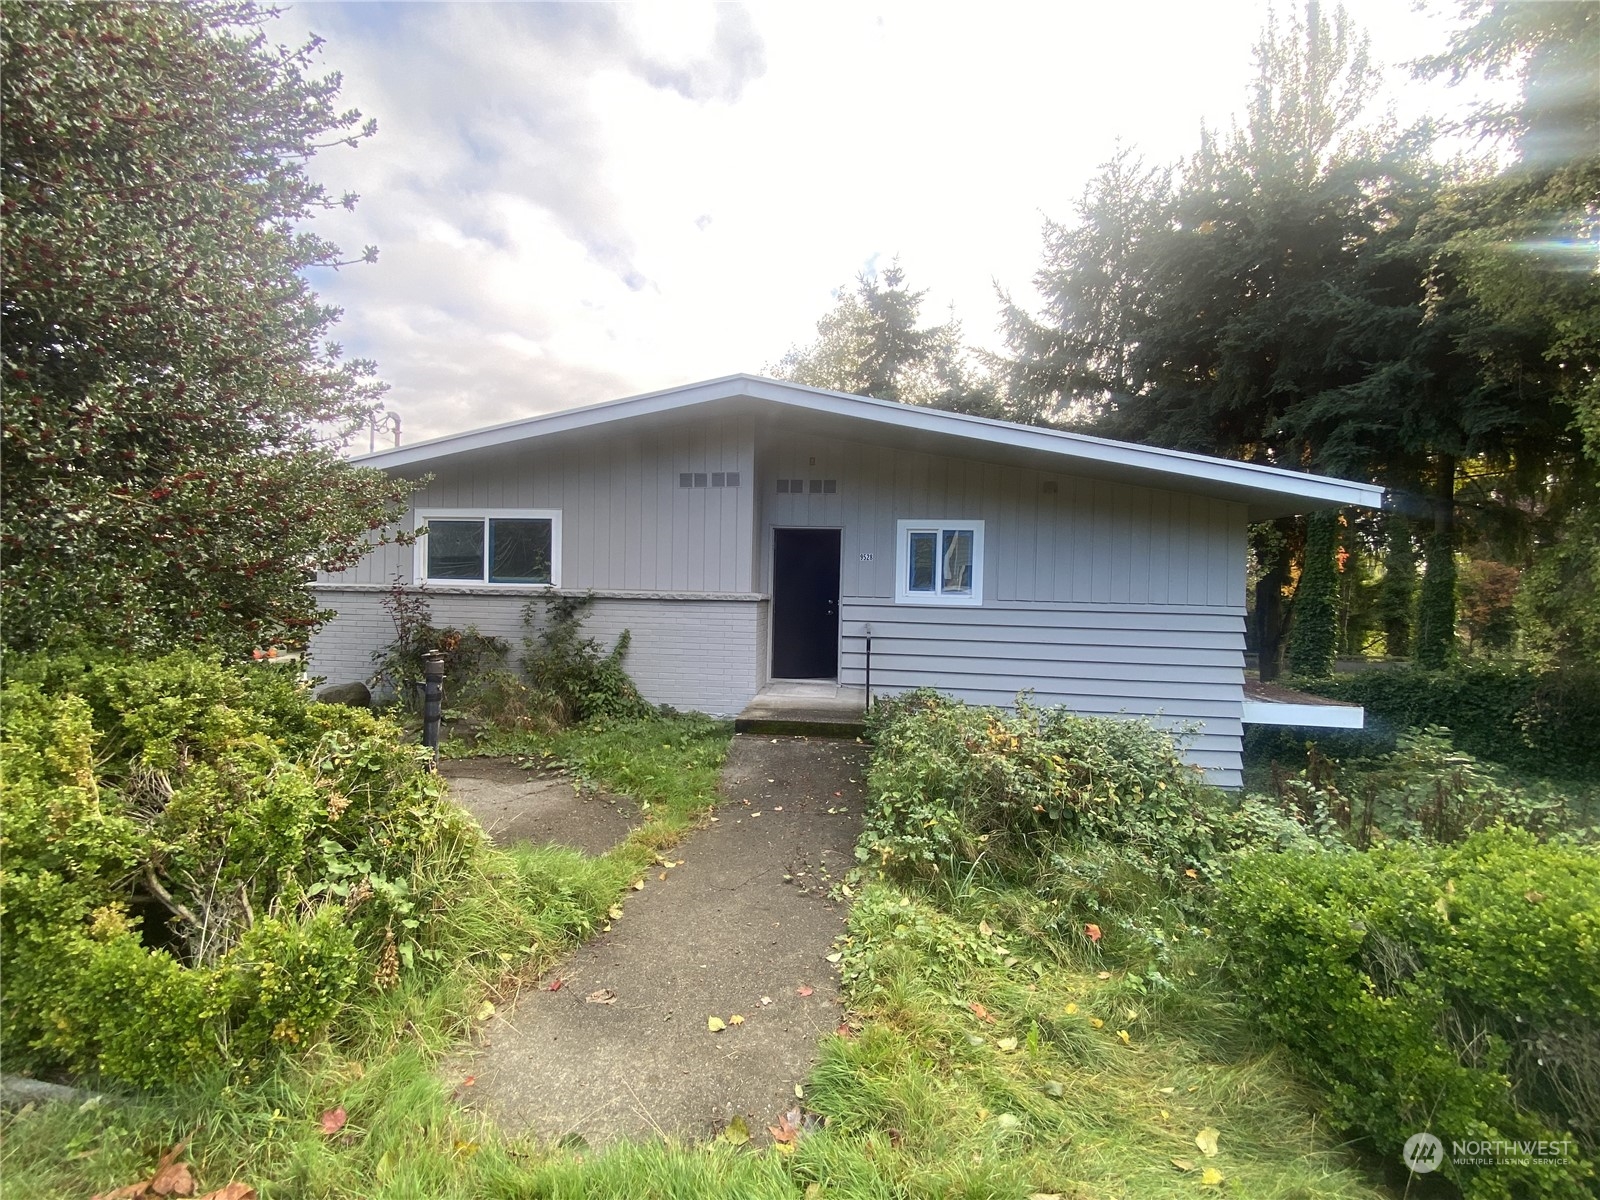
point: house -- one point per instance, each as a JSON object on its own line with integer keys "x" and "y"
{"x": 749, "y": 531}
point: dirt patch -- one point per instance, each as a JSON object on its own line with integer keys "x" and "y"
{"x": 747, "y": 917}
{"x": 517, "y": 805}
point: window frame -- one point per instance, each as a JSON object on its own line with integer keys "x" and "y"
{"x": 423, "y": 516}
{"x": 938, "y": 597}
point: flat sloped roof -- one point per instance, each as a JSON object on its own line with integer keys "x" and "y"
{"x": 1268, "y": 491}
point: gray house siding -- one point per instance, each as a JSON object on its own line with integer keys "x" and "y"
{"x": 1108, "y": 598}
{"x": 626, "y": 524}
{"x": 690, "y": 652}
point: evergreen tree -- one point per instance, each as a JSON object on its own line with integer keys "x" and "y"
{"x": 873, "y": 344}
{"x": 169, "y": 470}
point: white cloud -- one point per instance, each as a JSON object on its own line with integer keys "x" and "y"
{"x": 575, "y": 202}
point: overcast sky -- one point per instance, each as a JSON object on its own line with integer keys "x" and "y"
{"x": 577, "y": 202}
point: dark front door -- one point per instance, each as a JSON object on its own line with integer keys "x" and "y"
{"x": 805, "y": 604}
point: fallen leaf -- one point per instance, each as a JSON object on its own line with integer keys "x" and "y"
{"x": 799, "y": 1092}
{"x": 465, "y": 1149}
{"x": 985, "y": 928}
{"x": 715, "y": 1024}
{"x": 982, "y": 1013}
{"x": 1103, "y": 975}
{"x": 173, "y": 1179}
{"x": 736, "y": 1019}
{"x": 661, "y": 875}
{"x": 1192, "y": 873}
{"x": 783, "y": 1132}
{"x": 803, "y": 990}
{"x": 1097, "y": 1022}
{"x": 485, "y": 1010}
{"x": 1210, "y": 1177}
{"x": 1092, "y": 932}
{"x": 1007, "y": 1044}
{"x": 777, "y": 808}
{"x": 1071, "y": 1008}
{"x": 638, "y": 885}
{"x": 1183, "y": 1164}
{"x": 1122, "y": 1035}
{"x": 1165, "y": 1114}
{"x": 838, "y": 793}
{"x": 615, "y": 912}
{"x": 333, "y": 1120}
{"x": 835, "y": 956}
{"x": 469, "y": 1081}
{"x": 1132, "y": 1014}
{"x": 1053, "y": 1088}
{"x": 555, "y": 984}
{"x": 737, "y": 1132}
{"x": 766, "y": 1000}
{"x": 601, "y": 996}
{"x": 1533, "y": 897}
{"x": 1206, "y": 1139}
{"x": 1168, "y": 1091}
{"x": 232, "y": 1191}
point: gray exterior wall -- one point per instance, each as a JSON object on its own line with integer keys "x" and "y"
{"x": 692, "y": 653}
{"x": 1106, "y": 597}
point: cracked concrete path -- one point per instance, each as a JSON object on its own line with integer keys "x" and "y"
{"x": 747, "y": 916}
{"x": 514, "y": 804}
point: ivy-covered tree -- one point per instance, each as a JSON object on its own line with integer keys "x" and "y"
{"x": 1313, "y": 641}
{"x": 873, "y": 343}
{"x": 172, "y": 403}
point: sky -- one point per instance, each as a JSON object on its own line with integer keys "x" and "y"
{"x": 579, "y": 202}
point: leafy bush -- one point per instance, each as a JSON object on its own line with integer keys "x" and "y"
{"x": 476, "y": 679}
{"x": 573, "y": 675}
{"x": 1511, "y": 714}
{"x": 201, "y": 866}
{"x": 1449, "y": 989}
{"x": 1423, "y": 789}
{"x": 951, "y": 782}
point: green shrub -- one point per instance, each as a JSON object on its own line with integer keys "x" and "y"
{"x": 571, "y": 674}
{"x": 1508, "y": 713}
{"x": 476, "y": 678}
{"x": 950, "y": 783}
{"x": 1424, "y": 789}
{"x": 200, "y": 866}
{"x": 1449, "y": 989}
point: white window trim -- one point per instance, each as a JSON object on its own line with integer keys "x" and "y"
{"x": 902, "y": 561}
{"x": 553, "y": 515}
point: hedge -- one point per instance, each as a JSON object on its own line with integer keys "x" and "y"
{"x": 1452, "y": 990}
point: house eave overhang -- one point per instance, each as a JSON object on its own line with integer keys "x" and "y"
{"x": 1266, "y": 491}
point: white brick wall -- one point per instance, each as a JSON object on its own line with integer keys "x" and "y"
{"x": 699, "y": 654}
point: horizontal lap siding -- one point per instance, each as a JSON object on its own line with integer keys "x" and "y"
{"x": 1092, "y": 661}
{"x": 1108, "y": 598}
{"x": 691, "y": 654}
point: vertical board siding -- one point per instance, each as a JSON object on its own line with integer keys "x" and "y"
{"x": 692, "y": 654}
{"x": 626, "y": 524}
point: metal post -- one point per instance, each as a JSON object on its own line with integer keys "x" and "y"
{"x": 432, "y": 698}
{"x": 869, "y": 667}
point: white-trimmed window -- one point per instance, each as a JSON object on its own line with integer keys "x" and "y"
{"x": 495, "y": 547}
{"x": 939, "y": 562}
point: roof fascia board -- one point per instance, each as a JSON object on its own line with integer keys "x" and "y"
{"x": 1178, "y": 466}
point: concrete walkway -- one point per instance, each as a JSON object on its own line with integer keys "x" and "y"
{"x": 743, "y": 927}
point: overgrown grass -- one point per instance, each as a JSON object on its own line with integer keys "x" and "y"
{"x": 405, "y": 1136}
{"x": 996, "y": 1065}
{"x": 923, "y": 1095}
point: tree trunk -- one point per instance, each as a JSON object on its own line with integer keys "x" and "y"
{"x": 1397, "y": 599}
{"x": 1270, "y": 617}
{"x": 1436, "y": 608}
{"x": 1313, "y": 638}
